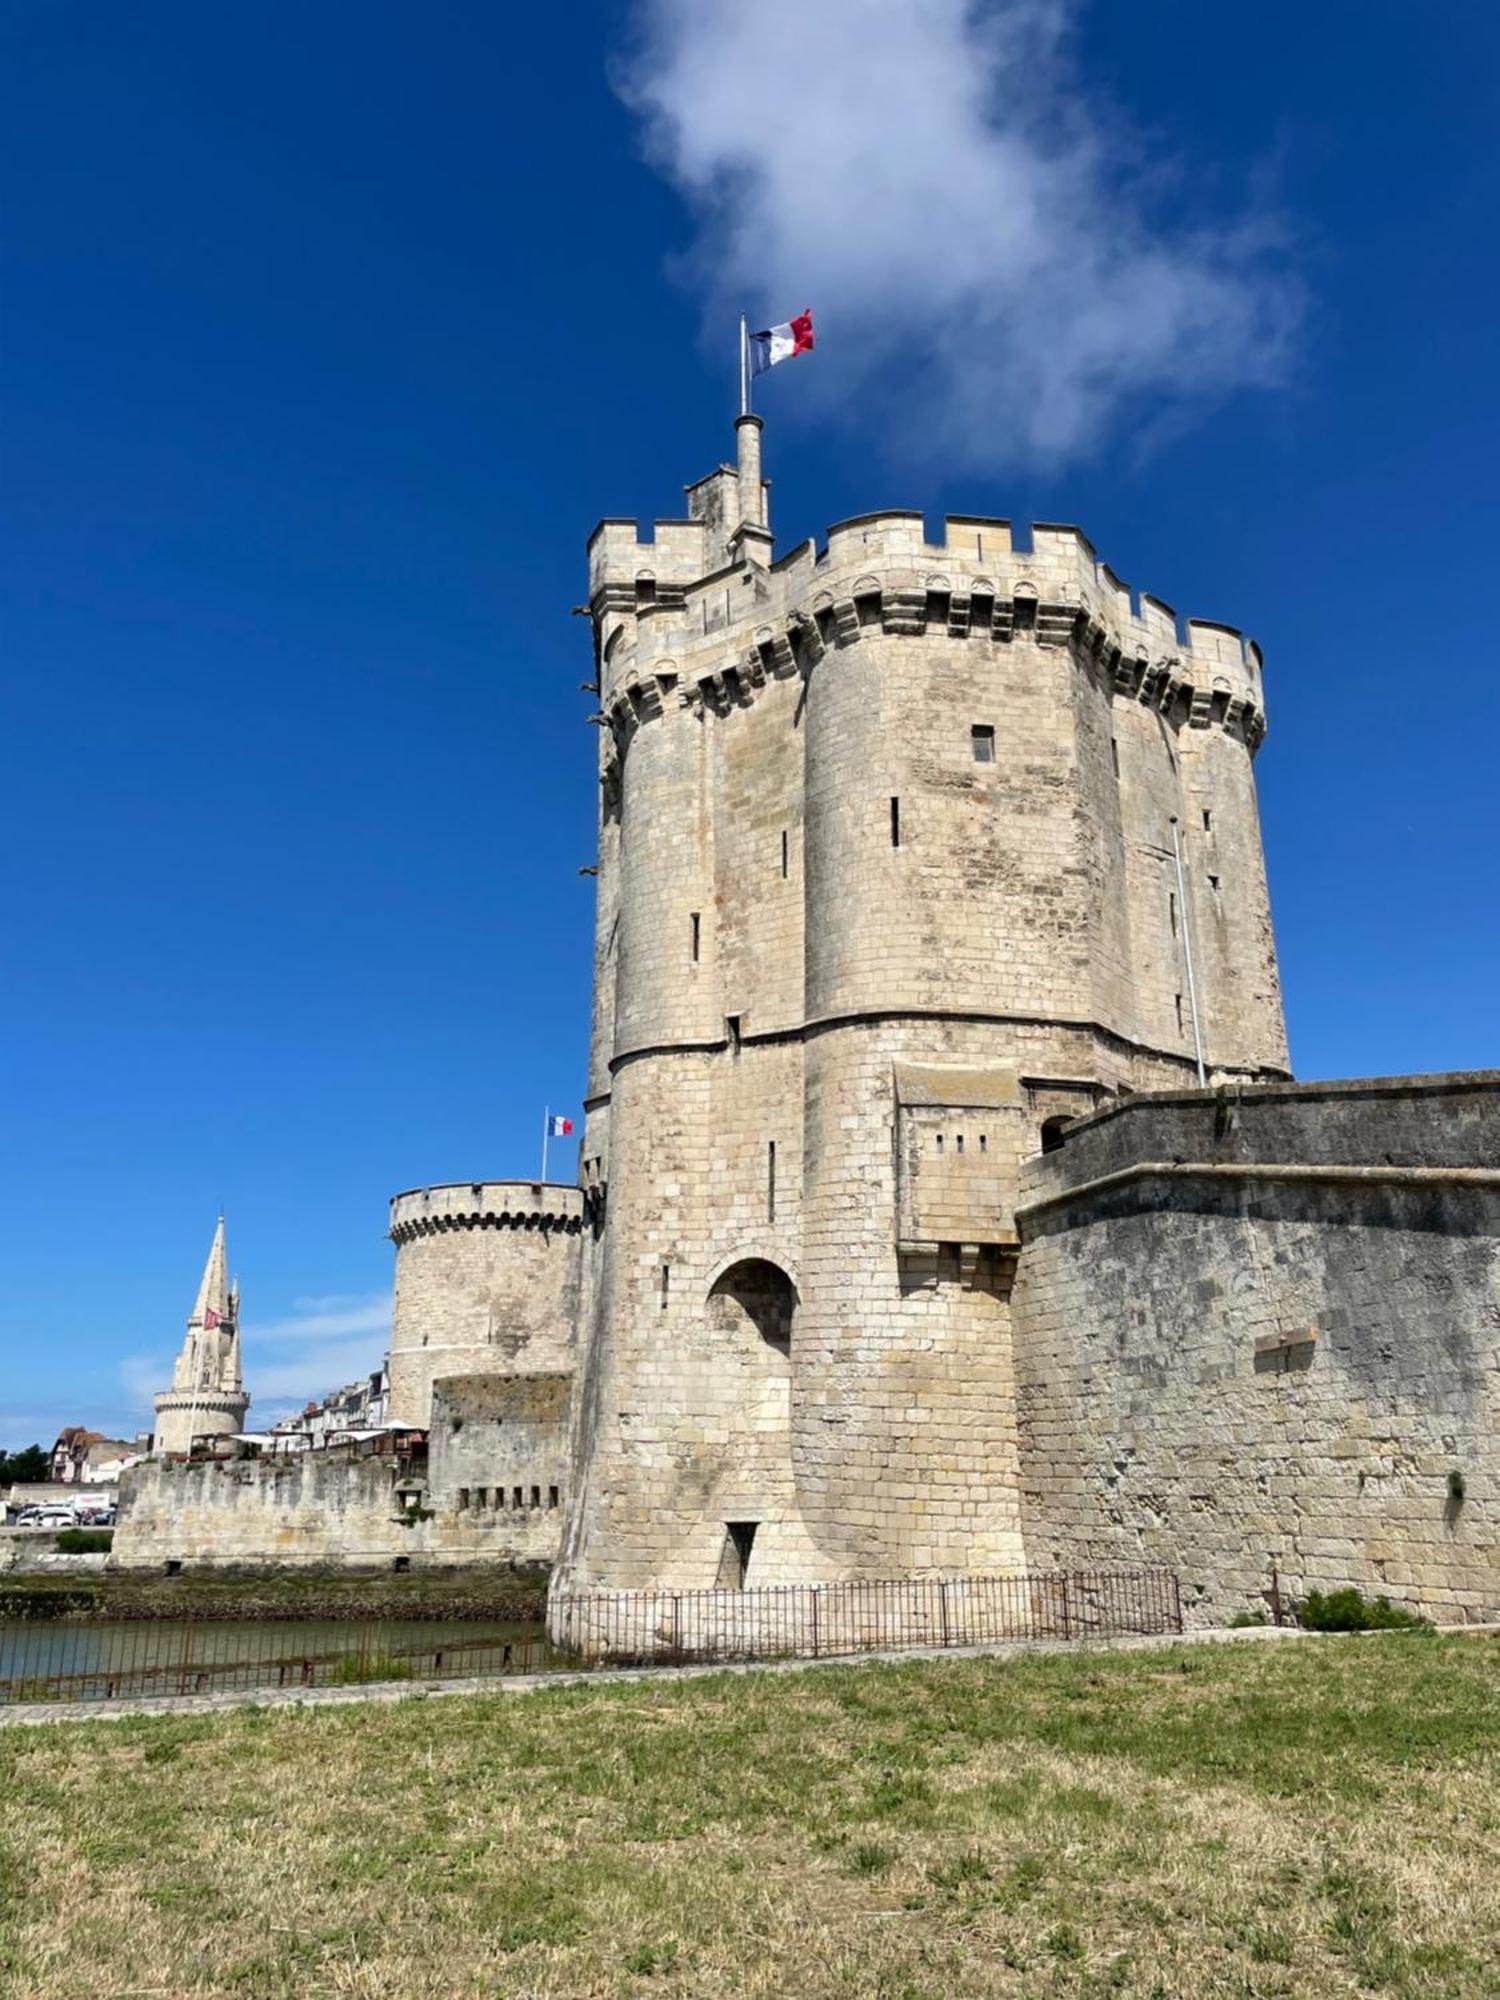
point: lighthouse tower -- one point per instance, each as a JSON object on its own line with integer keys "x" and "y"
{"x": 207, "y": 1397}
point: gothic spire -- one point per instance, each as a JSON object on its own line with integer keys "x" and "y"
{"x": 213, "y": 1289}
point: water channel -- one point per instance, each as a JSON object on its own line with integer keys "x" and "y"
{"x": 101, "y": 1659}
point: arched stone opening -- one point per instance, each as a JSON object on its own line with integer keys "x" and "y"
{"x": 751, "y": 1311}
{"x": 1052, "y": 1133}
{"x": 757, "y": 1293}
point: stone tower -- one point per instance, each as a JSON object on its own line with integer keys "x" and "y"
{"x": 488, "y": 1276}
{"x": 207, "y": 1398}
{"x": 887, "y": 892}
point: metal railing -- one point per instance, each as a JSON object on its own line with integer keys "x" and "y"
{"x": 66, "y": 1661}
{"x": 816, "y": 1621}
{"x": 92, "y": 1660}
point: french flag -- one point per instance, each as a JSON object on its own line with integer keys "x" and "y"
{"x": 559, "y": 1128}
{"x": 781, "y": 343}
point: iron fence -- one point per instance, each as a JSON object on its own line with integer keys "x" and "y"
{"x": 818, "y": 1620}
{"x": 91, "y": 1660}
{"x": 66, "y": 1661}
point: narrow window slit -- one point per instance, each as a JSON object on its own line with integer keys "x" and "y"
{"x": 895, "y": 822}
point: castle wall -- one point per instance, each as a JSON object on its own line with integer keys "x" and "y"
{"x": 498, "y": 1476}
{"x": 863, "y": 808}
{"x": 1262, "y": 1331}
{"x": 315, "y": 1508}
{"x": 487, "y": 1277}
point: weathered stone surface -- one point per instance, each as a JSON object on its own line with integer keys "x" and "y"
{"x": 1231, "y": 1365}
{"x": 874, "y": 817}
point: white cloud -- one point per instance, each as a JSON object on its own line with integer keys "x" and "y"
{"x": 993, "y": 274}
{"x": 325, "y": 1317}
{"x": 320, "y": 1345}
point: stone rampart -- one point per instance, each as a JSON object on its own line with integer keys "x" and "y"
{"x": 497, "y": 1466}
{"x": 1261, "y": 1331}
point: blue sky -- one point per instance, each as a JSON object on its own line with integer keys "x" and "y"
{"x": 330, "y": 333}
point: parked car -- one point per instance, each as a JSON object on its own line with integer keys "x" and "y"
{"x": 56, "y": 1517}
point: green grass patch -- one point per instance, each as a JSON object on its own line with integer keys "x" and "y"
{"x": 1261, "y": 1821}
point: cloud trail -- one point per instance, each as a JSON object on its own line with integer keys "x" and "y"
{"x": 994, "y": 277}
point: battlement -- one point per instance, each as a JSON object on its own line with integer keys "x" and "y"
{"x": 546, "y": 1205}
{"x": 718, "y": 638}
{"x": 982, "y": 566}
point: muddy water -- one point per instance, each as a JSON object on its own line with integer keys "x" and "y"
{"x": 85, "y": 1660}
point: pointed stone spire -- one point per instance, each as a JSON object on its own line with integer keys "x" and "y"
{"x": 213, "y": 1288}
{"x": 207, "y": 1395}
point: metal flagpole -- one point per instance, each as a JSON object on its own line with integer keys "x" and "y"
{"x": 1187, "y": 954}
{"x": 744, "y": 369}
{"x": 546, "y": 1132}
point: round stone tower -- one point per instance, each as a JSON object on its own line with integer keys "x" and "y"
{"x": 909, "y": 850}
{"x": 487, "y": 1283}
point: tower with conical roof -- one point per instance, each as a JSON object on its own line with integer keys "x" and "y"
{"x": 207, "y": 1397}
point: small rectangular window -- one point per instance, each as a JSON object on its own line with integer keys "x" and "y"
{"x": 1208, "y": 820}
{"x": 895, "y": 822}
{"x": 984, "y": 1144}
{"x": 982, "y": 737}
{"x": 958, "y": 1143}
{"x": 499, "y": 1496}
{"x": 940, "y": 1142}
{"x": 1114, "y": 752}
{"x": 1172, "y": 911}
{"x": 536, "y": 1496}
{"x": 666, "y": 1284}
{"x": 645, "y": 590}
{"x": 1213, "y": 883}
{"x": 732, "y": 1032}
{"x": 785, "y": 854}
{"x": 515, "y": 1497}
{"x": 1178, "y": 998}
{"x": 770, "y": 1180}
{"x": 551, "y": 1496}
{"x": 463, "y": 1499}
{"x": 697, "y": 925}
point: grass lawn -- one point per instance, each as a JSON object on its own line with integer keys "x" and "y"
{"x": 1319, "y": 1817}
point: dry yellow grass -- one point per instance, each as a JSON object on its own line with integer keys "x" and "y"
{"x": 1314, "y": 1818}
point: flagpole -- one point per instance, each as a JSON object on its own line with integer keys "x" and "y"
{"x": 744, "y": 369}
{"x": 546, "y": 1130}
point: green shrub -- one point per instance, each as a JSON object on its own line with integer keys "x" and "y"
{"x": 85, "y": 1542}
{"x": 1243, "y": 1619}
{"x": 1348, "y": 1610}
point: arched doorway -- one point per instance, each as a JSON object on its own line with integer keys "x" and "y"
{"x": 752, "y": 1310}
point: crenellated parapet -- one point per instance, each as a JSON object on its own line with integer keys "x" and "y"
{"x": 715, "y": 641}
{"x": 535, "y": 1205}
